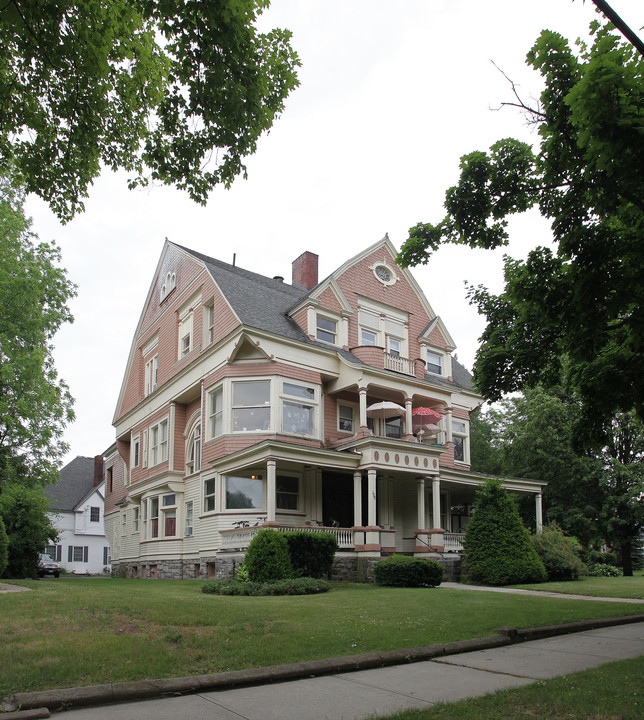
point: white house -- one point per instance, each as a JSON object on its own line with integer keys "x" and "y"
{"x": 77, "y": 509}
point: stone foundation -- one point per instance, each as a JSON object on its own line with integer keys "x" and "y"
{"x": 346, "y": 568}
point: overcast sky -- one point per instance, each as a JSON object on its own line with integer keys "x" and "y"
{"x": 392, "y": 93}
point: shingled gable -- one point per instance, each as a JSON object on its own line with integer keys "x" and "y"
{"x": 76, "y": 482}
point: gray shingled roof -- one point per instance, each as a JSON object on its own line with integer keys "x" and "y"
{"x": 263, "y": 303}
{"x": 76, "y": 481}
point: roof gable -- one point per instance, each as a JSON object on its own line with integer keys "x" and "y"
{"x": 76, "y": 482}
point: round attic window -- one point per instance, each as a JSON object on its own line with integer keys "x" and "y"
{"x": 384, "y": 274}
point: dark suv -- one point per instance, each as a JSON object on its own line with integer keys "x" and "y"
{"x": 47, "y": 566}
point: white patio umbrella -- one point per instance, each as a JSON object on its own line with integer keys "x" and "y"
{"x": 385, "y": 409}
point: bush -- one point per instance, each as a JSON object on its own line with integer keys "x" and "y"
{"x": 311, "y": 553}
{"x": 602, "y": 570}
{"x": 497, "y": 547}
{"x": 292, "y": 586}
{"x": 594, "y": 557}
{"x": 267, "y": 557}
{"x": 407, "y": 571}
{"x": 557, "y": 552}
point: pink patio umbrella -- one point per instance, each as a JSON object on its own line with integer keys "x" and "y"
{"x": 385, "y": 409}
{"x": 426, "y": 420}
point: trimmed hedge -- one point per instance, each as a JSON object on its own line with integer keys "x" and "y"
{"x": 311, "y": 553}
{"x": 267, "y": 558}
{"x": 497, "y": 547}
{"x": 407, "y": 571}
{"x": 293, "y": 586}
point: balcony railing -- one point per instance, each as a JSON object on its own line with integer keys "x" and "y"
{"x": 399, "y": 364}
{"x": 240, "y": 538}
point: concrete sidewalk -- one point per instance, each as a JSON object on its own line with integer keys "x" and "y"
{"x": 503, "y": 661}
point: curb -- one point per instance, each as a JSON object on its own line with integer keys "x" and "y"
{"x": 25, "y": 706}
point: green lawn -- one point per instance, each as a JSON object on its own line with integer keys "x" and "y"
{"x": 608, "y": 692}
{"x": 76, "y": 631}
{"x": 622, "y": 587}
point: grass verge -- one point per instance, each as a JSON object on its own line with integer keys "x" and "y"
{"x": 620, "y": 587}
{"x": 608, "y": 692}
{"x": 74, "y": 632}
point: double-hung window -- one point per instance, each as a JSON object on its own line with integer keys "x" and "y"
{"x": 251, "y": 405}
{"x": 193, "y": 451}
{"x": 159, "y": 443}
{"x": 154, "y": 517}
{"x": 151, "y": 374}
{"x": 185, "y": 334}
{"x": 345, "y": 418}
{"x": 287, "y": 492}
{"x": 459, "y": 437}
{"x": 169, "y": 515}
{"x": 209, "y": 495}
{"x": 189, "y": 519}
{"x": 298, "y": 408}
{"x": 95, "y": 514}
{"x": 326, "y": 329}
{"x": 215, "y": 412}
{"x": 136, "y": 452}
{"x": 434, "y": 363}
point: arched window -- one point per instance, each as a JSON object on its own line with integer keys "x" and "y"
{"x": 193, "y": 451}
{"x": 168, "y": 286}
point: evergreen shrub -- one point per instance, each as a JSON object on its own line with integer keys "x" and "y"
{"x": 267, "y": 558}
{"x": 407, "y": 571}
{"x": 557, "y": 552}
{"x": 497, "y": 547}
{"x": 311, "y": 554}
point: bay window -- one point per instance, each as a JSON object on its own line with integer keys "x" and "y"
{"x": 298, "y": 416}
{"x": 244, "y": 493}
{"x": 251, "y": 405}
{"x": 159, "y": 443}
{"x": 460, "y": 439}
{"x": 193, "y": 451}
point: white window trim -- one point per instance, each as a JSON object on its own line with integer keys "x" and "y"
{"x": 465, "y": 436}
{"x": 313, "y": 402}
{"x": 133, "y": 459}
{"x": 213, "y": 495}
{"x": 151, "y": 374}
{"x": 208, "y": 323}
{"x": 193, "y": 428}
{"x": 298, "y": 477}
{"x": 331, "y": 317}
{"x": 153, "y": 449}
{"x": 355, "y": 419}
{"x": 210, "y": 434}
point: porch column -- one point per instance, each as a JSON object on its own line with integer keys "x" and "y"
{"x": 437, "y": 534}
{"x": 421, "y": 503}
{"x": 436, "y": 502}
{"x": 357, "y": 498}
{"x": 371, "y": 498}
{"x": 448, "y": 422}
{"x": 409, "y": 430}
{"x": 363, "y": 407}
{"x": 270, "y": 490}
{"x": 539, "y": 512}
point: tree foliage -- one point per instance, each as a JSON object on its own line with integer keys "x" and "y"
{"x": 35, "y": 404}
{"x": 29, "y": 528}
{"x": 176, "y": 92}
{"x": 579, "y": 308}
{"x": 497, "y": 547}
{"x": 595, "y": 495}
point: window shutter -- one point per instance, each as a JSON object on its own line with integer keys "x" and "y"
{"x": 85, "y": 553}
{"x": 70, "y": 554}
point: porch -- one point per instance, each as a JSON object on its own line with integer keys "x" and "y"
{"x": 349, "y": 539}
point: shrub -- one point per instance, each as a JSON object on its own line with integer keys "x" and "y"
{"x": 407, "y": 571}
{"x": 311, "y": 553}
{"x": 497, "y": 547}
{"x": 267, "y": 557}
{"x": 557, "y": 552}
{"x": 602, "y": 570}
{"x": 292, "y": 586}
{"x": 595, "y": 557}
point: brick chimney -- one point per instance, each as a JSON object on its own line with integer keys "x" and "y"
{"x": 98, "y": 470}
{"x": 305, "y": 270}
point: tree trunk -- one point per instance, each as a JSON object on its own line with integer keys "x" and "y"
{"x": 627, "y": 564}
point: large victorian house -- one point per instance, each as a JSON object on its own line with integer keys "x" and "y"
{"x": 249, "y": 402}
